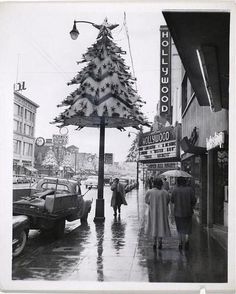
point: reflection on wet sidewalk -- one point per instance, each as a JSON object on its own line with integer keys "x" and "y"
{"x": 119, "y": 250}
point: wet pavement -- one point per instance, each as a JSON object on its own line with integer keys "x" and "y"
{"x": 118, "y": 250}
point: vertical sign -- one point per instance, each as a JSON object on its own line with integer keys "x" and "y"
{"x": 108, "y": 158}
{"x": 165, "y": 74}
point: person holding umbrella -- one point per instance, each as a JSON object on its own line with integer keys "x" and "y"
{"x": 183, "y": 199}
{"x": 157, "y": 222}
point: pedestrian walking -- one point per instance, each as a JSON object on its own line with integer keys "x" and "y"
{"x": 166, "y": 185}
{"x": 158, "y": 223}
{"x": 150, "y": 182}
{"x": 118, "y": 196}
{"x": 184, "y": 200}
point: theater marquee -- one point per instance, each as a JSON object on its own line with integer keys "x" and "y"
{"x": 159, "y": 146}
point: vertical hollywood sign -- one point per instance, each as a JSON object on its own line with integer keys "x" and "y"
{"x": 165, "y": 74}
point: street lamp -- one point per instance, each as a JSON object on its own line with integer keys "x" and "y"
{"x": 137, "y": 158}
{"x": 74, "y": 33}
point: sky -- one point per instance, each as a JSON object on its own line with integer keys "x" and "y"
{"x": 41, "y": 53}
{"x": 38, "y": 50}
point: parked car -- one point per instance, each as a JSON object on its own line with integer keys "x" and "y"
{"x": 20, "y": 230}
{"x": 92, "y": 181}
{"x": 19, "y": 179}
{"x": 107, "y": 179}
{"x": 128, "y": 183}
{"x": 54, "y": 201}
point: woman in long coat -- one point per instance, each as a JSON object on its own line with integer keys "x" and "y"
{"x": 158, "y": 223}
{"x": 118, "y": 196}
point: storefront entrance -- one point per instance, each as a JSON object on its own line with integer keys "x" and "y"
{"x": 220, "y": 198}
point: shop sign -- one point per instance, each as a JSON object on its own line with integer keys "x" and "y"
{"x": 164, "y": 165}
{"x": 60, "y": 140}
{"x": 217, "y": 140}
{"x": 165, "y": 72}
{"x": 19, "y": 86}
{"x": 108, "y": 158}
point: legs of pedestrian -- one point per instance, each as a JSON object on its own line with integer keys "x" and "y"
{"x": 186, "y": 245}
{"x": 155, "y": 243}
{"x": 119, "y": 208}
{"x": 181, "y": 240}
{"x": 115, "y": 210}
{"x": 160, "y": 243}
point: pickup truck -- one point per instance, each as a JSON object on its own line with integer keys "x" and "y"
{"x": 53, "y": 202}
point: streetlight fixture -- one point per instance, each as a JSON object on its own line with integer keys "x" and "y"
{"x": 74, "y": 33}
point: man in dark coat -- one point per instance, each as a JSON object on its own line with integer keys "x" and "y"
{"x": 184, "y": 200}
{"x": 118, "y": 196}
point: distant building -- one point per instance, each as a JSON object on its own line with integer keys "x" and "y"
{"x": 23, "y": 134}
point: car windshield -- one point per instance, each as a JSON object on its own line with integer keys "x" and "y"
{"x": 93, "y": 178}
{"x": 52, "y": 186}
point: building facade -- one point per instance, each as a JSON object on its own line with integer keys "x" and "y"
{"x": 23, "y": 134}
{"x": 202, "y": 41}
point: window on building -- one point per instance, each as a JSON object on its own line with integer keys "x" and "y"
{"x": 28, "y": 130}
{"x": 17, "y": 126}
{"x": 29, "y": 116}
{"x": 18, "y": 110}
{"x": 27, "y": 149}
{"x": 16, "y": 146}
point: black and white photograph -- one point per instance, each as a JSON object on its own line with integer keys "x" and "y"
{"x": 117, "y": 146}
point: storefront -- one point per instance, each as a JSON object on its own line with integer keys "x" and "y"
{"x": 217, "y": 147}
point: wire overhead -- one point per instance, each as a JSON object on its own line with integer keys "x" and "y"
{"x": 131, "y": 58}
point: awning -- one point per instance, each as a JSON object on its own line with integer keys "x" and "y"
{"x": 31, "y": 168}
{"x": 202, "y": 41}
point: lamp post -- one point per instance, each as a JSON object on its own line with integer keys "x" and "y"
{"x": 103, "y": 99}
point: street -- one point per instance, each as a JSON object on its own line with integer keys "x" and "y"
{"x": 119, "y": 250}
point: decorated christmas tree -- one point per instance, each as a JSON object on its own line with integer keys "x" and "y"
{"x": 133, "y": 151}
{"x": 105, "y": 88}
{"x": 67, "y": 161}
{"x": 105, "y": 96}
{"x": 50, "y": 161}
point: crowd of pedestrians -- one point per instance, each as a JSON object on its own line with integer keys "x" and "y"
{"x": 164, "y": 203}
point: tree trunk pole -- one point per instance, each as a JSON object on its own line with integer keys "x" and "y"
{"x": 99, "y": 214}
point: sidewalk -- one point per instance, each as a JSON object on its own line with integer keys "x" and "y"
{"x": 118, "y": 250}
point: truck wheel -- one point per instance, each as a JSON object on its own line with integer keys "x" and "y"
{"x": 59, "y": 228}
{"x": 20, "y": 245}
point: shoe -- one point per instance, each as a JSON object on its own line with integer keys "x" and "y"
{"x": 180, "y": 246}
{"x": 186, "y": 245}
{"x": 159, "y": 245}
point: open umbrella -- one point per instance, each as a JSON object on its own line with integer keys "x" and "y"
{"x": 176, "y": 173}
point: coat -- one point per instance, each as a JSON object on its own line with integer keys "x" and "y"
{"x": 158, "y": 223}
{"x": 184, "y": 201}
{"x": 117, "y": 187}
